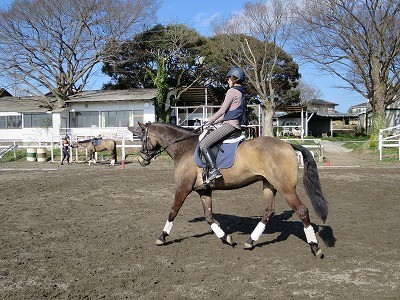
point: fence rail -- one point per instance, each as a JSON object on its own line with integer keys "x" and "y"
{"x": 55, "y": 144}
{"x": 317, "y": 149}
{"x": 389, "y": 138}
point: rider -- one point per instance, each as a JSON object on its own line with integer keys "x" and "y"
{"x": 65, "y": 149}
{"x": 230, "y": 114}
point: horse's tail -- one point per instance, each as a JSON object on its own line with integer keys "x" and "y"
{"x": 115, "y": 151}
{"x": 312, "y": 183}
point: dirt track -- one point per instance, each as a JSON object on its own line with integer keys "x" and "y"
{"x": 88, "y": 232}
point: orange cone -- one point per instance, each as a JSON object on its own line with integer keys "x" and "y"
{"x": 122, "y": 165}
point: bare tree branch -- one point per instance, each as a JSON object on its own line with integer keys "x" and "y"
{"x": 356, "y": 40}
{"x": 53, "y": 45}
{"x": 268, "y": 23}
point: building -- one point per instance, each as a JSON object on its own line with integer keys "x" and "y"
{"x": 315, "y": 118}
{"x": 364, "y": 115}
{"x": 86, "y": 114}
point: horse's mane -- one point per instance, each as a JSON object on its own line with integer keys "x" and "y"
{"x": 176, "y": 128}
{"x": 85, "y": 141}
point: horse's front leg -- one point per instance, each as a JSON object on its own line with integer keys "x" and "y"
{"x": 93, "y": 156}
{"x": 180, "y": 197}
{"x": 206, "y": 200}
{"x": 269, "y": 193}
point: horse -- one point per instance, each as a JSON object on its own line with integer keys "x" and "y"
{"x": 97, "y": 145}
{"x": 266, "y": 159}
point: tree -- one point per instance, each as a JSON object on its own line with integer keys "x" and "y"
{"x": 169, "y": 56}
{"x": 358, "y": 41}
{"x": 50, "y": 45}
{"x": 307, "y": 92}
{"x": 270, "y": 70}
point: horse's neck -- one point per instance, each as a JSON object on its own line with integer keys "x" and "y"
{"x": 178, "y": 145}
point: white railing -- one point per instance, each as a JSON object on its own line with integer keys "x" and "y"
{"x": 389, "y": 138}
{"x": 55, "y": 143}
{"x": 317, "y": 149}
{"x": 5, "y": 149}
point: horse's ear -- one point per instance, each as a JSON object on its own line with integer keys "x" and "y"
{"x": 142, "y": 125}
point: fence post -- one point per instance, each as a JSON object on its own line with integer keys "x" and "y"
{"x": 380, "y": 144}
{"x": 123, "y": 149}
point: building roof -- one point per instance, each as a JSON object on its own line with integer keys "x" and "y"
{"x": 33, "y": 104}
{"x": 195, "y": 96}
{"x": 360, "y": 105}
{"x": 113, "y": 95}
{"x": 21, "y": 105}
{"x": 320, "y": 102}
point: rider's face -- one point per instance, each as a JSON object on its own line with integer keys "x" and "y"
{"x": 230, "y": 82}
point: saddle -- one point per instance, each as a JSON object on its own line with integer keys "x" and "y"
{"x": 96, "y": 142}
{"x": 225, "y": 152}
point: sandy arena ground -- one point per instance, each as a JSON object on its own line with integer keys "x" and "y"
{"x": 89, "y": 232}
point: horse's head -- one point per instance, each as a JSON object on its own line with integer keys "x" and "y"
{"x": 150, "y": 146}
{"x": 74, "y": 145}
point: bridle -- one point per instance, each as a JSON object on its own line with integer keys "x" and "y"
{"x": 146, "y": 154}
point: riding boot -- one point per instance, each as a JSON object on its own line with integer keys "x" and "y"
{"x": 210, "y": 161}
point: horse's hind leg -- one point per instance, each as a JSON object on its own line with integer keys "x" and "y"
{"x": 206, "y": 201}
{"x": 269, "y": 199}
{"x": 302, "y": 211}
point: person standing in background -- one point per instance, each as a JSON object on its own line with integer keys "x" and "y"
{"x": 65, "y": 144}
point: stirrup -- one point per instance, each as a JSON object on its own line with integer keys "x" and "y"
{"x": 214, "y": 174}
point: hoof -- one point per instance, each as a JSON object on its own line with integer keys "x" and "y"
{"x": 227, "y": 239}
{"x": 319, "y": 254}
{"x": 160, "y": 242}
{"x": 316, "y": 250}
{"x": 249, "y": 244}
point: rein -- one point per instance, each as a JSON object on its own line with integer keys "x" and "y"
{"x": 152, "y": 154}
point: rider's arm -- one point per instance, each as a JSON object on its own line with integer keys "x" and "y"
{"x": 218, "y": 116}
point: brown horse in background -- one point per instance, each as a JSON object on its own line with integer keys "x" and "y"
{"x": 265, "y": 159}
{"x": 100, "y": 145}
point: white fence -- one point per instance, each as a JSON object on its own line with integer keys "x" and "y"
{"x": 389, "y": 138}
{"x": 317, "y": 149}
{"x": 56, "y": 144}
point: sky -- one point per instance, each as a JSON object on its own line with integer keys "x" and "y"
{"x": 199, "y": 15}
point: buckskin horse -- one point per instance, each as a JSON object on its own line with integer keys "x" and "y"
{"x": 265, "y": 159}
{"x": 98, "y": 145}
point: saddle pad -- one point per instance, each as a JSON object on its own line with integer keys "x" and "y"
{"x": 97, "y": 142}
{"x": 225, "y": 159}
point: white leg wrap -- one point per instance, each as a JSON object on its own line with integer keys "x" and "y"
{"x": 217, "y": 230}
{"x": 168, "y": 227}
{"x": 258, "y": 231}
{"x": 310, "y": 235}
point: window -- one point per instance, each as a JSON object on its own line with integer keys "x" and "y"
{"x": 38, "y": 120}
{"x": 3, "y": 122}
{"x": 84, "y": 119}
{"x": 137, "y": 117}
{"x": 119, "y": 118}
{"x": 10, "y": 122}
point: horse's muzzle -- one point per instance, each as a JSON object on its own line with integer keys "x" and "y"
{"x": 143, "y": 161}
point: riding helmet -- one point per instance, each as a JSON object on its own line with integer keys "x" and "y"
{"x": 236, "y": 72}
